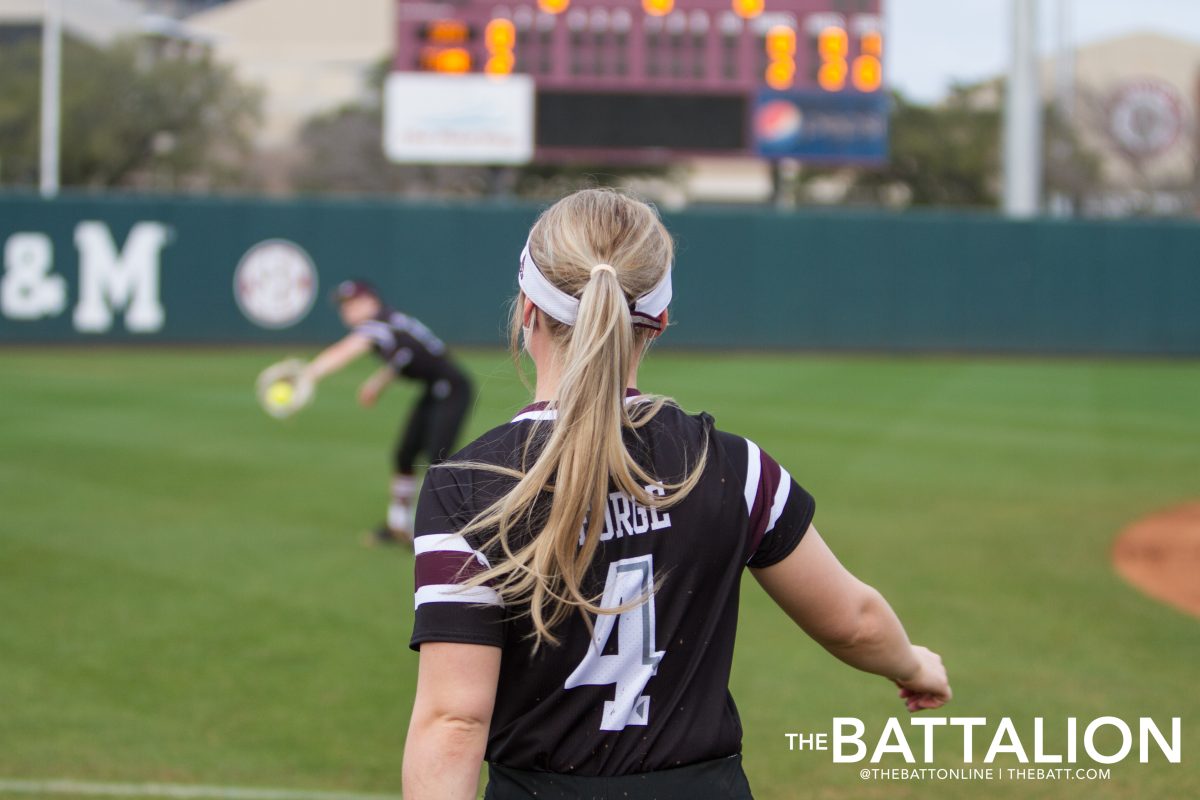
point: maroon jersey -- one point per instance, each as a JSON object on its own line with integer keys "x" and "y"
{"x": 646, "y": 689}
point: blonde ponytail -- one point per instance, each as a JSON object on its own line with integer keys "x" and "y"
{"x": 605, "y": 249}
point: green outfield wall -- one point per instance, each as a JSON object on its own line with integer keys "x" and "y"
{"x": 103, "y": 269}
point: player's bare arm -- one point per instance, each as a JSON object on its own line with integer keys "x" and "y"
{"x": 853, "y": 621}
{"x": 373, "y": 386}
{"x": 335, "y": 357}
{"x": 456, "y": 691}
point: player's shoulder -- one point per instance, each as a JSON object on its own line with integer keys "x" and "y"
{"x": 731, "y": 444}
{"x": 739, "y": 454}
{"x": 392, "y": 318}
{"x": 482, "y": 471}
{"x": 502, "y": 446}
{"x": 674, "y": 421}
{"x": 770, "y": 489}
{"x": 498, "y": 446}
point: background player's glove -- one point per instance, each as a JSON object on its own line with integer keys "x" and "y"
{"x": 283, "y": 388}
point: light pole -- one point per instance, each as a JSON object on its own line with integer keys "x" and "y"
{"x": 51, "y": 96}
{"x": 1023, "y": 117}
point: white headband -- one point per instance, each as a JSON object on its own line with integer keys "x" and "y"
{"x": 646, "y": 310}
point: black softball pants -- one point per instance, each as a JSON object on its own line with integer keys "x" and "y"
{"x": 434, "y": 423}
{"x": 719, "y": 779}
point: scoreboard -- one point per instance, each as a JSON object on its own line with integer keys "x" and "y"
{"x": 640, "y": 80}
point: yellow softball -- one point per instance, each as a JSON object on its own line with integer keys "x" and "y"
{"x": 280, "y": 393}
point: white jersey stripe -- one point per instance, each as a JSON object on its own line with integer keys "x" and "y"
{"x": 552, "y": 413}
{"x": 753, "y": 473}
{"x": 781, "y": 495}
{"x": 447, "y": 543}
{"x": 417, "y": 330}
{"x": 542, "y": 414}
{"x": 451, "y": 542}
{"x": 454, "y": 593}
{"x": 377, "y": 330}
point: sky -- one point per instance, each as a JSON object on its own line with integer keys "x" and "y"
{"x": 934, "y": 43}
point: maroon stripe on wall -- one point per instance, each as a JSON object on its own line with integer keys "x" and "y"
{"x": 445, "y": 566}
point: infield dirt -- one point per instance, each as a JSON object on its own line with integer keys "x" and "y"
{"x": 1160, "y": 555}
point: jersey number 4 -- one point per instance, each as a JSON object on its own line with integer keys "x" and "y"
{"x": 636, "y": 660}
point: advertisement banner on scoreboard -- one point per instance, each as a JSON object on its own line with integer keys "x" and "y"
{"x": 822, "y": 126}
{"x": 458, "y": 119}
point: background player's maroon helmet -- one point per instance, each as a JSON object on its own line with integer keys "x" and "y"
{"x": 348, "y": 290}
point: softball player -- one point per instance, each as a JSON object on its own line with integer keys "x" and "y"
{"x": 408, "y": 350}
{"x": 577, "y": 568}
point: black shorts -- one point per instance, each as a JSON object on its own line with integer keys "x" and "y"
{"x": 719, "y": 779}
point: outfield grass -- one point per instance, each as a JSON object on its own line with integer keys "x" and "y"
{"x": 184, "y": 596}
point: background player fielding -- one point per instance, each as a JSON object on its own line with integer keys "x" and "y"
{"x": 181, "y": 603}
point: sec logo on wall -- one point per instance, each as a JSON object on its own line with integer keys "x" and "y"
{"x": 275, "y": 284}
{"x": 1145, "y": 118}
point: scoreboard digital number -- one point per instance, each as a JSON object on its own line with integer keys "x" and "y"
{"x": 646, "y": 79}
{"x": 445, "y": 46}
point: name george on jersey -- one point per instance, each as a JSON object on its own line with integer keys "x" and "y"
{"x": 624, "y": 516}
